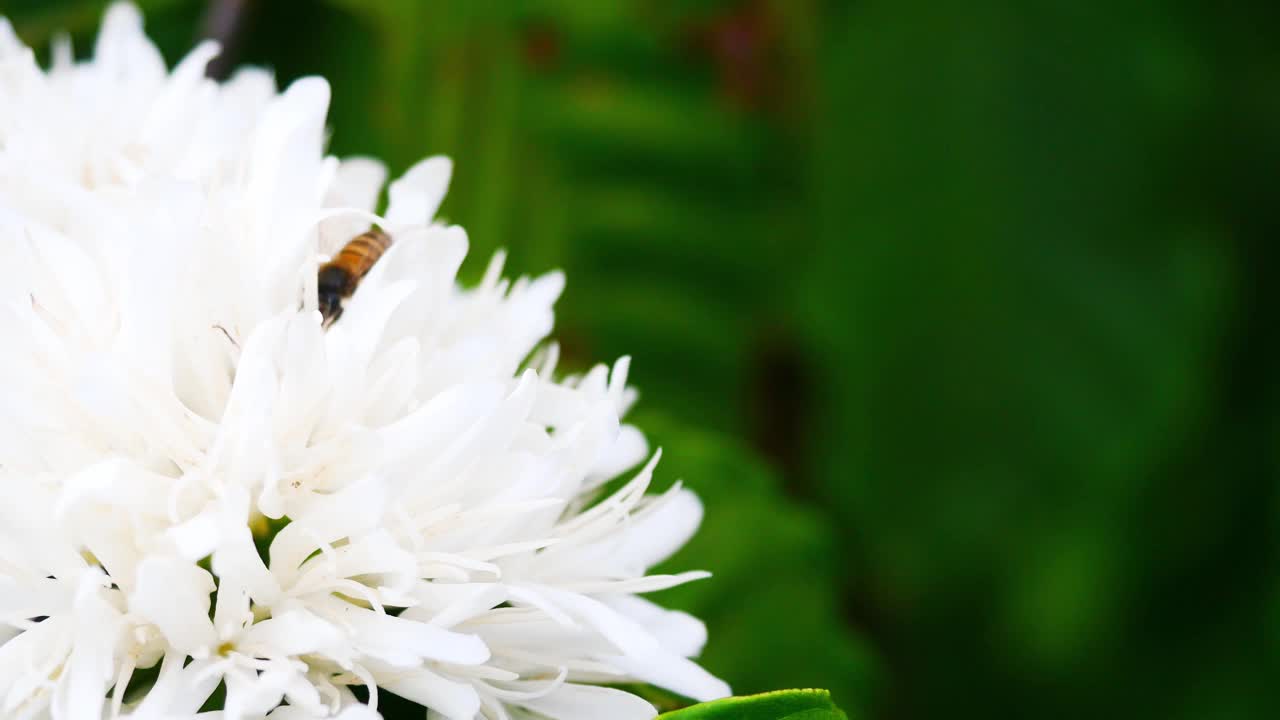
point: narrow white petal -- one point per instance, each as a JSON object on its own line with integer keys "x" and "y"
{"x": 626, "y": 634}
{"x": 401, "y": 642}
{"x": 453, "y": 700}
{"x": 585, "y": 702}
{"x": 674, "y": 673}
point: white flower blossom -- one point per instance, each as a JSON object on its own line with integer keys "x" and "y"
{"x": 200, "y": 486}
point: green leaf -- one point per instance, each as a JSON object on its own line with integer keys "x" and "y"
{"x": 777, "y": 705}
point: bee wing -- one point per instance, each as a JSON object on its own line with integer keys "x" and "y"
{"x": 356, "y": 185}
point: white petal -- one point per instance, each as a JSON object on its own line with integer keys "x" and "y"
{"x": 197, "y": 537}
{"x": 629, "y": 449}
{"x": 453, "y": 700}
{"x": 426, "y": 431}
{"x": 10, "y": 45}
{"x": 174, "y": 595}
{"x": 44, "y": 646}
{"x": 357, "y": 712}
{"x": 655, "y": 533}
{"x": 89, "y": 670}
{"x": 585, "y": 702}
{"x": 401, "y": 642}
{"x": 448, "y": 605}
{"x": 674, "y": 673}
{"x": 414, "y": 198}
{"x": 179, "y": 690}
{"x": 123, "y": 49}
{"x": 627, "y": 635}
{"x": 170, "y": 113}
{"x": 354, "y": 712}
{"x": 354, "y": 510}
{"x": 678, "y": 631}
{"x": 355, "y": 185}
{"x": 38, "y": 596}
{"x": 293, "y": 632}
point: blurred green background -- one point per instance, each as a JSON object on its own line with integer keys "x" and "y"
{"x": 959, "y": 316}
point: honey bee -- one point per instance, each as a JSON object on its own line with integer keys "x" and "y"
{"x": 340, "y": 276}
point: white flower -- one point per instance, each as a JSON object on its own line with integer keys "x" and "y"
{"x": 196, "y": 478}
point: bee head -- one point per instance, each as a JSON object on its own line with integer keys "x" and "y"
{"x": 331, "y": 288}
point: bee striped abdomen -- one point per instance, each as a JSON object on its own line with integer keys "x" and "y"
{"x": 339, "y": 277}
{"x": 359, "y": 255}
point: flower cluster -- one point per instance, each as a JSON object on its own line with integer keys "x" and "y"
{"x": 208, "y": 500}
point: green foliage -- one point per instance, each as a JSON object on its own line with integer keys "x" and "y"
{"x": 777, "y": 705}
{"x": 1039, "y": 307}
